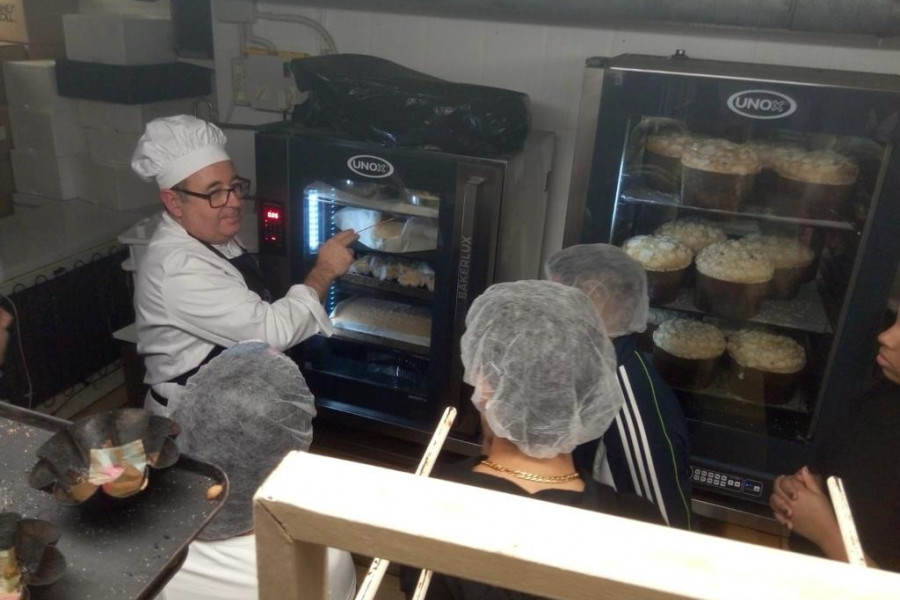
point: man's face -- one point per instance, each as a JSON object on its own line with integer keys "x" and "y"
{"x": 212, "y": 225}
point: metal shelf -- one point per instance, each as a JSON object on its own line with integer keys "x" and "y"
{"x": 721, "y": 390}
{"x": 805, "y": 312}
{"x": 380, "y": 341}
{"x": 655, "y": 198}
{"x": 361, "y": 284}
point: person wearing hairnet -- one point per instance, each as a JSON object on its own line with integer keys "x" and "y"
{"x": 244, "y": 411}
{"x": 197, "y": 291}
{"x": 544, "y": 374}
{"x": 646, "y": 450}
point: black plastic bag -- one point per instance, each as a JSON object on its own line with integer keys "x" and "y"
{"x": 375, "y": 100}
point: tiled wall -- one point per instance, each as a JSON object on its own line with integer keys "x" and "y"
{"x": 544, "y": 61}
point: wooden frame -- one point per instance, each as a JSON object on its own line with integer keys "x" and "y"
{"x": 310, "y": 502}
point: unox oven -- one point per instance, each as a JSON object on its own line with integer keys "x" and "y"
{"x": 436, "y": 230}
{"x": 803, "y": 155}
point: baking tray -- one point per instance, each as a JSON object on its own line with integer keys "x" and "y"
{"x": 129, "y": 551}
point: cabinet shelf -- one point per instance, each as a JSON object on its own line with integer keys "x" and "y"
{"x": 654, "y": 198}
{"x": 805, "y": 312}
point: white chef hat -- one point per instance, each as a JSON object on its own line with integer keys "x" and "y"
{"x": 174, "y": 148}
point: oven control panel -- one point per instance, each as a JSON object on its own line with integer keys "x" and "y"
{"x": 272, "y": 227}
{"x": 726, "y": 482}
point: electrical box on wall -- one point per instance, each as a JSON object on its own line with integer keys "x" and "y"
{"x": 265, "y": 82}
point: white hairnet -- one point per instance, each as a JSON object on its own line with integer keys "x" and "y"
{"x": 615, "y": 283}
{"x": 542, "y": 365}
{"x": 244, "y": 411}
{"x": 174, "y": 148}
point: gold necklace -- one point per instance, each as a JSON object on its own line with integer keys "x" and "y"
{"x": 531, "y": 476}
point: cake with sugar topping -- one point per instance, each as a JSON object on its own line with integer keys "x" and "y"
{"x": 732, "y": 279}
{"x": 717, "y": 173}
{"x": 665, "y": 261}
{"x": 815, "y": 185}
{"x": 765, "y": 366}
{"x": 790, "y": 257}
{"x": 687, "y": 352}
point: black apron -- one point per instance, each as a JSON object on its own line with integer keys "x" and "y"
{"x": 253, "y": 278}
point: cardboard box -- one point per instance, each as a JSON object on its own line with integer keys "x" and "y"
{"x": 5, "y": 133}
{"x": 32, "y": 84}
{"x": 60, "y": 177}
{"x": 129, "y": 117}
{"x": 35, "y": 21}
{"x": 111, "y": 146}
{"x": 118, "y": 39}
{"x": 117, "y": 187}
{"x": 10, "y": 52}
{"x": 47, "y": 132}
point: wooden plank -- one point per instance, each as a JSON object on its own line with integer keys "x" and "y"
{"x": 535, "y": 547}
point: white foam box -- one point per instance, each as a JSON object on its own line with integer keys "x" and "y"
{"x": 32, "y": 84}
{"x": 118, "y": 188}
{"x": 129, "y": 117}
{"x": 10, "y": 52}
{"x": 48, "y": 132}
{"x": 112, "y": 39}
{"x": 60, "y": 177}
{"x": 34, "y": 21}
{"x": 110, "y": 145}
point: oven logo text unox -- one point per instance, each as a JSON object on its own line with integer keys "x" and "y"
{"x": 762, "y": 104}
{"x": 465, "y": 255}
{"x": 370, "y": 166}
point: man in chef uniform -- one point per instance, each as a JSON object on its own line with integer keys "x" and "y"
{"x": 197, "y": 291}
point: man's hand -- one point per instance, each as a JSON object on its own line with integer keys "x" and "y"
{"x": 335, "y": 257}
{"x": 5, "y": 321}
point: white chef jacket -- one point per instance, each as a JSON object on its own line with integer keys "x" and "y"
{"x": 189, "y": 300}
{"x": 226, "y": 570}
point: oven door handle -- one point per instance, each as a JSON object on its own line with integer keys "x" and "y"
{"x": 464, "y": 251}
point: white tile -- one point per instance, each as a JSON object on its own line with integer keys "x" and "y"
{"x": 350, "y": 30}
{"x": 567, "y": 50}
{"x": 288, "y": 36}
{"x": 794, "y": 50}
{"x": 709, "y": 44}
{"x": 400, "y": 38}
{"x": 514, "y": 57}
{"x": 454, "y": 49}
{"x": 873, "y": 60}
{"x": 658, "y": 42}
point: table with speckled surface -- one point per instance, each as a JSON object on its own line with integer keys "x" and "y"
{"x": 125, "y": 550}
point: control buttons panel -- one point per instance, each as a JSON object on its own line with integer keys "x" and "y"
{"x": 726, "y": 482}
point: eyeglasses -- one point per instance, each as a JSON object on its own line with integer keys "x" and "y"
{"x": 219, "y": 198}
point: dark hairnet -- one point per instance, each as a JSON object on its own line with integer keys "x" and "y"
{"x": 542, "y": 365}
{"x": 244, "y": 411}
{"x": 615, "y": 283}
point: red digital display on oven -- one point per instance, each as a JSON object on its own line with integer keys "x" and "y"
{"x": 272, "y": 226}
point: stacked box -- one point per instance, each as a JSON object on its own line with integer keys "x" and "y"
{"x": 123, "y": 43}
{"x": 49, "y": 148}
{"x": 7, "y": 184}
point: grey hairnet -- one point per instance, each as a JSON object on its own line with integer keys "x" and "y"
{"x": 542, "y": 365}
{"x": 615, "y": 283}
{"x": 244, "y": 411}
